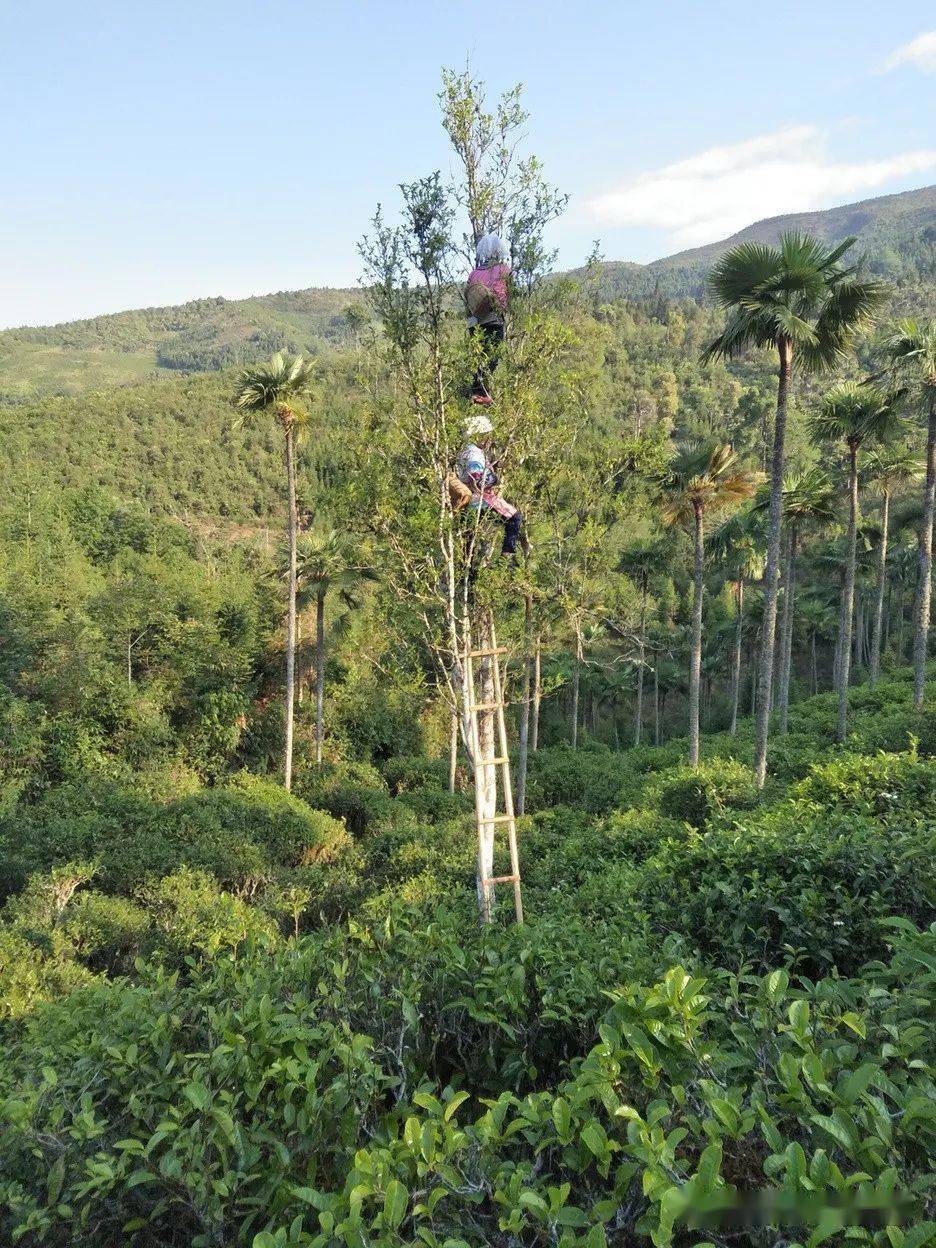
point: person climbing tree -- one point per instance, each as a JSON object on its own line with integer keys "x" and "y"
{"x": 475, "y": 469}
{"x": 486, "y": 300}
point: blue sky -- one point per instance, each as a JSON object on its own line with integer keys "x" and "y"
{"x": 153, "y": 153}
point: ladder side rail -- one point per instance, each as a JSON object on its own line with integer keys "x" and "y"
{"x": 507, "y": 786}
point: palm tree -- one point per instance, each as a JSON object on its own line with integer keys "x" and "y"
{"x": 640, "y": 563}
{"x": 739, "y": 543}
{"x": 887, "y": 467}
{"x": 799, "y": 299}
{"x": 702, "y": 479}
{"x": 279, "y": 386}
{"x": 911, "y": 348}
{"x": 324, "y": 563}
{"x": 855, "y": 414}
{"x": 807, "y": 496}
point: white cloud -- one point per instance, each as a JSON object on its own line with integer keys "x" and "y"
{"x": 721, "y": 190}
{"x": 920, "y": 52}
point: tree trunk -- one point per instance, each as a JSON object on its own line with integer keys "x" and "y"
{"x": 453, "y": 749}
{"x": 485, "y": 773}
{"x": 523, "y": 740}
{"x": 786, "y": 633}
{"x": 656, "y": 699}
{"x": 576, "y": 677}
{"x": 319, "y": 675}
{"x": 537, "y": 694}
{"x": 293, "y": 525}
{"x": 772, "y": 569}
{"x": 837, "y": 658}
{"x": 848, "y": 597}
{"x": 641, "y": 652}
{"x": 813, "y": 666}
{"x": 736, "y": 658}
{"x": 695, "y": 663}
{"x": 925, "y": 566}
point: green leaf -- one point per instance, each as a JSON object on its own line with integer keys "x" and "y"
{"x": 197, "y": 1094}
{"x": 458, "y": 1099}
{"x": 856, "y": 1023}
{"x": 140, "y": 1176}
{"x": 857, "y": 1082}
{"x": 594, "y": 1139}
{"x": 562, "y": 1117}
{"x": 396, "y": 1200}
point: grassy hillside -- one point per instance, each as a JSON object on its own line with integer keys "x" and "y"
{"x": 898, "y": 233}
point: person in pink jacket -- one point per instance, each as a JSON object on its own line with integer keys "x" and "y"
{"x": 486, "y": 299}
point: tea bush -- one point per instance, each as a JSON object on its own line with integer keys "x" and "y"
{"x": 239, "y": 1017}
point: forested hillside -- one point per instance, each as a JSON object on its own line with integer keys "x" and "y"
{"x": 897, "y": 234}
{"x": 260, "y": 982}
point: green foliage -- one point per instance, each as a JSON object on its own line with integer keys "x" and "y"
{"x": 696, "y": 794}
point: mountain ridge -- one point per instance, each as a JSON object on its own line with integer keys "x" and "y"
{"x": 897, "y": 234}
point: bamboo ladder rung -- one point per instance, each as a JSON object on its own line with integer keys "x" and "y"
{"x": 496, "y": 819}
{"x": 483, "y": 654}
{"x": 503, "y": 879}
{"x": 485, "y": 706}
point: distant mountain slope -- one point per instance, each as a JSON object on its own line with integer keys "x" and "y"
{"x": 896, "y": 232}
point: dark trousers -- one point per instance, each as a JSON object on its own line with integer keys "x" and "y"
{"x": 511, "y": 533}
{"x": 492, "y": 335}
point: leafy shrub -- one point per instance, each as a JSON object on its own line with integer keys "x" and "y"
{"x": 694, "y": 1087}
{"x": 594, "y": 780}
{"x": 694, "y": 795}
{"x": 192, "y": 914}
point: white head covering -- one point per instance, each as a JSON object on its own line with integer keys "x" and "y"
{"x": 491, "y": 249}
{"x": 478, "y": 426}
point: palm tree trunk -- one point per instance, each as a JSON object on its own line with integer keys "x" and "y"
{"x": 537, "y": 694}
{"x": 641, "y": 652}
{"x": 291, "y": 608}
{"x": 576, "y": 677}
{"x": 319, "y": 675}
{"x": 736, "y": 659}
{"x": 772, "y": 569}
{"x": 695, "y": 663}
{"x": 813, "y": 665}
{"x": 837, "y": 658}
{"x": 656, "y": 699}
{"x": 523, "y": 737}
{"x": 925, "y": 565}
{"x": 848, "y": 596}
{"x": 786, "y": 632}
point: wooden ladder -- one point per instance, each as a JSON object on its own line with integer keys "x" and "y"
{"x": 501, "y": 761}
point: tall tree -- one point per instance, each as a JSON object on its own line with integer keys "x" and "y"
{"x": 279, "y": 387}
{"x": 702, "y": 479}
{"x": 739, "y": 545}
{"x": 798, "y": 299}
{"x": 326, "y": 562}
{"x": 854, "y": 414}
{"x": 888, "y": 466}
{"x": 641, "y": 562}
{"x": 807, "y": 496}
{"x": 912, "y": 350}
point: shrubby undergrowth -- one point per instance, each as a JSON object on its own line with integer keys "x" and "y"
{"x": 240, "y": 1017}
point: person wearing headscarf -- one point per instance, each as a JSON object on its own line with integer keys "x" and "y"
{"x": 486, "y": 295}
{"x": 475, "y": 470}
